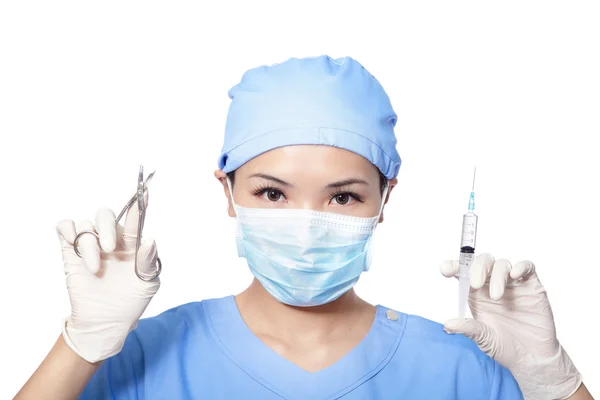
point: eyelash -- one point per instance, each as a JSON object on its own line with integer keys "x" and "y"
{"x": 350, "y": 193}
{"x": 262, "y": 189}
{"x": 259, "y": 191}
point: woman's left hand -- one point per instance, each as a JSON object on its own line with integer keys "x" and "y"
{"x": 513, "y": 323}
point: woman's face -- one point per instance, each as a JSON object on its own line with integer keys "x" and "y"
{"x": 321, "y": 178}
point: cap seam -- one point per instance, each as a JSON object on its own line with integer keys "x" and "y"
{"x": 309, "y": 127}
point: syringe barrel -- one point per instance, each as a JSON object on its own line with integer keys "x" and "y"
{"x": 469, "y": 232}
{"x": 467, "y": 244}
{"x": 464, "y": 263}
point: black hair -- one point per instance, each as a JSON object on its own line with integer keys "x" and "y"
{"x": 382, "y": 180}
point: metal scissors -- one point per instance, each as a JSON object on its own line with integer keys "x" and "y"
{"x": 142, "y": 186}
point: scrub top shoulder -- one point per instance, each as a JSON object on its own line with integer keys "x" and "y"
{"x": 204, "y": 350}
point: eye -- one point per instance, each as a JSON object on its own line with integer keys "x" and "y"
{"x": 345, "y": 198}
{"x": 273, "y": 195}
{"x": 269, "y": 193}
{"x": 342, "y": 198}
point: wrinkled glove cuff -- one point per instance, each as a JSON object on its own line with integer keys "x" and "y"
{"x": 71, "y": 345}
{"x": 92, "y": 347}
{"x": 578, "y": 381}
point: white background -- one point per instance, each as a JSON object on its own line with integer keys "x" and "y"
{"x": 90, "y": 90}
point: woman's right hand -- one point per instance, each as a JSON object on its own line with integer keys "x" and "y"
{"x": 107, "y": 298}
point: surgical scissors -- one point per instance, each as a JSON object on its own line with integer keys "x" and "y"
{"x": 142, "y": 186}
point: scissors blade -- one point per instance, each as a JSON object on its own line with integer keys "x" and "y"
{"x": 140, "y": 191}
{"x": 148, "y": 180}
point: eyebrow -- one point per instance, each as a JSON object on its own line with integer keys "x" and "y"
{"x": 334, "y": 185}
{"x": 270, "y": 178}
{"x": 347, "y": 182}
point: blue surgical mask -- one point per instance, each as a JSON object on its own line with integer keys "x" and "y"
{"x": 304, "y": 257}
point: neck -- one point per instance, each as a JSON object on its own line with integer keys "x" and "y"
{"x": 265, "y": 315}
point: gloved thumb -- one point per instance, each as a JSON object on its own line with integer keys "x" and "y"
{"x": 484, "y": 336}
{"x": 146, "y": 259}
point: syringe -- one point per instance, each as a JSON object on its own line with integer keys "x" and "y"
{"x": 467, "y": 252}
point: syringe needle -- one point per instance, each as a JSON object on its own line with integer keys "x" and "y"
{"x": 467, "y": 251}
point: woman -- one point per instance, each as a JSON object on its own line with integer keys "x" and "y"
{"x": 308, "y": 163}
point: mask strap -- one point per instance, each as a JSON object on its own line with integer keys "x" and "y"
{"x": 383, "y": 197}
{"x": 231, "y": 193}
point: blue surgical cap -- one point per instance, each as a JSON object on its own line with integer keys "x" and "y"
{"x": 317, "y": 100}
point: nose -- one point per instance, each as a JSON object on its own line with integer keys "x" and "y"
{"x": 310, "y": 204}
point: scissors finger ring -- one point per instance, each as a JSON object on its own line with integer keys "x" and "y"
{"x": 139, "y": 197}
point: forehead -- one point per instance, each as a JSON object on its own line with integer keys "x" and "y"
{"x": 311, "y": 161}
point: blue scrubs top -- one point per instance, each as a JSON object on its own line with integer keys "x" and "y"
{"x": 204, "y": 350}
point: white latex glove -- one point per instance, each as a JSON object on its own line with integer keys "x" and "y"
{"x": 513, "y": 323}
{"x": 107, "y": 298}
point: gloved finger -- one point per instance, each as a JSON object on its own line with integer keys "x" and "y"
{"x": 106, "y": 227}
{"x": 88, "y": 247}
{"x": 146, "y": 260}
{"x": 523, "y": 270}
{"x": 130, "y": 228}
{"x": 480, "y": 270}
{"x": 449, "y": 268}
{"x": 499, "y": 278}
{"x": 484, "y": 336}
{"x": 66, "y": 232}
